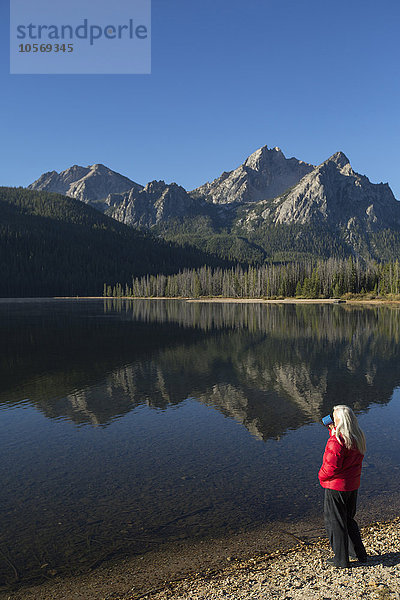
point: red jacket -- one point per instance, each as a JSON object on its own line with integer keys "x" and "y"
{"x": 341, "y": 468}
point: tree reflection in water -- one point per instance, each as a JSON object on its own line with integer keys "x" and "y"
{"x": 114, "y": 436}
{"x": 271, "y": 367}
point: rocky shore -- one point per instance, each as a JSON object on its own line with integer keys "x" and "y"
{"x": 300, "y": 574}
{"x": 289, "y": 573}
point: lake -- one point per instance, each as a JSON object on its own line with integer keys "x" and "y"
{"x": 129, "y": 424}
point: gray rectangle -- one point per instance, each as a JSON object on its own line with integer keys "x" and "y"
{"x": 80, "y": 37}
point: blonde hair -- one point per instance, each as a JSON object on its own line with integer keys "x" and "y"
{"x": 348, "y": 429}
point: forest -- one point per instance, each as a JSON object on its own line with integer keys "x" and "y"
{"x": 332, "y": 278}
{"x": 51, "y": 245}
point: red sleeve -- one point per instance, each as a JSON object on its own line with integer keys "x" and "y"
{"x": 332, "y": 460}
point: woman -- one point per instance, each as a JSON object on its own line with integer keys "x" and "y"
{"x": 340, "y": 476}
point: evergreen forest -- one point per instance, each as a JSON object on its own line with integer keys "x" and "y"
{"x": 333, "y": 278}
{"x": 51, "y": 245}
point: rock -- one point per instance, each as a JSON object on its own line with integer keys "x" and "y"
{"x": 156, "y": 203}
{"x": 294, "y": 574}
{"x": 90, "y": 184}
{"x": 333, "y": 193}
{"x": 265, "y": 174}
{"x": 267, "y": 191}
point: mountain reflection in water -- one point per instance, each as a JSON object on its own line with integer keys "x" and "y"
{"x": 125, "y": 424}
{"x": 270, "y": 367}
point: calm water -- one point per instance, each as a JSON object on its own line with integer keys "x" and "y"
{"x": 127, "y": 424}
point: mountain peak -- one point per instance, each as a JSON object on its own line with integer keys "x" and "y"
{"x": 265, "y": 174}
{"x": 339, "y": 158}
{"x": 88, "y": 184}
{"x": 335, "y": 194}
{"x": 263, "y": 155}
{"x": 99, "y": 167}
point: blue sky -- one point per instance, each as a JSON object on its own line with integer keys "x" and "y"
{"x": 227, "y": 77}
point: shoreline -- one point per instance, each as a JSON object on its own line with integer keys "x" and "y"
{"x": 220, "y": 568}
{"x": 219, "y": 300}
{"x": 300, "y": 574}
{"x": 121, "y": 574}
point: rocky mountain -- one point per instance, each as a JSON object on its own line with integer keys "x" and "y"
{"x": 156, "y": 203}
{"x": 333, "y": 194}
{"x": 265, "y": 174}
{"x": 270, "y": 207}
{"x": 90, "y": 184}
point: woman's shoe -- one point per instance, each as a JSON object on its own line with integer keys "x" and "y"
{"x": 363, "y": 560}
{"x": 331, "y": 563}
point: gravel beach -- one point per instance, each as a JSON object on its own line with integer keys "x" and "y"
{"x": 301, "y": 574}
{"x": 289, "y": 573}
